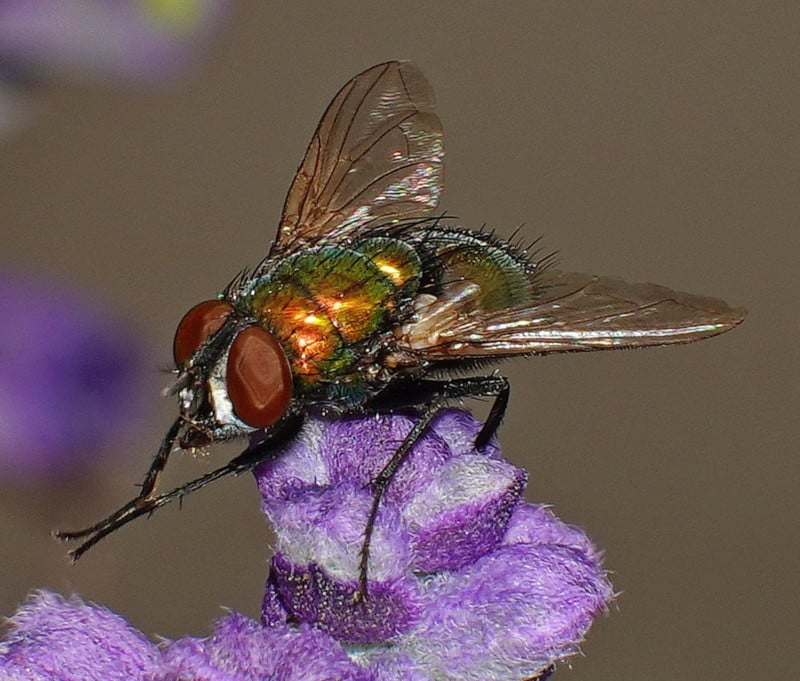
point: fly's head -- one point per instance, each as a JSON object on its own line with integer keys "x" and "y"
{"x": 233, "y": 376}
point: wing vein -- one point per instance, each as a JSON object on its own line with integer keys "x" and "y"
{"x": 349, "y": 128}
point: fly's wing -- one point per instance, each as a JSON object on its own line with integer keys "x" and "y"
{"x": 376, "y": 157}
{"x": 571, "y": 312}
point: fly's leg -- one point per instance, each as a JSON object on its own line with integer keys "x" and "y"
{"x": 146, "y": 505}
{"x": 160, "y": 459}
{"x": 425, "y": 391}
{"x": 496, "y": 412}
{"x": 148, "y": 485}
{"x": 143, "y": 505}
{"x": 480, "y": 386}
{"x": 379, "y": 485}
{"x": 431, "y": 394}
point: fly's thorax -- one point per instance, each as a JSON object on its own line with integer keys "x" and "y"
{"x": 396, "y": 259}
{"x": 323, "y": 304}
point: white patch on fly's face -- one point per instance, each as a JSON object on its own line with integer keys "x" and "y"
{"x": 218, "y": 397}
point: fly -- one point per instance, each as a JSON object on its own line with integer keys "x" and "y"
{"x": 364, "y": 299}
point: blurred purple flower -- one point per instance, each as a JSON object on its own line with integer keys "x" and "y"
{"x": 71, "y": 379}
{"x": 146, "y": 41}
{"x": 467, "y": 581}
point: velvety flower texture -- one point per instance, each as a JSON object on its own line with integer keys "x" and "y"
{"x": 466, "y": 580}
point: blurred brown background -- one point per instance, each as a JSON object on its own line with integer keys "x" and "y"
{"x": 654, "y": 141}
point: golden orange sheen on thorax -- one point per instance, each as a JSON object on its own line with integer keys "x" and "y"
{"x": 322, "y": 302}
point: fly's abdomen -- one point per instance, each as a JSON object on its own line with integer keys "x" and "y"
{"x": 501, "y": 272}
{"x": 503, "y": 281}
{"x": 321, "y": 303}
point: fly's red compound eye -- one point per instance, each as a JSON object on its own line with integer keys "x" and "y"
{"x": 198, "y": 324}
{"x": 259, "y": 380}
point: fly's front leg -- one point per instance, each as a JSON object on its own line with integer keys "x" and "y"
{"x": 148, "y": 485}
{"x": 146, "y": 504}
{"x": 150, "y": 481}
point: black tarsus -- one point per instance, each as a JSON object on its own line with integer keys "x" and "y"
{"x": 146, "y": 488}
{"x": 144, "y": 503}
{"x": 431, "y": 394}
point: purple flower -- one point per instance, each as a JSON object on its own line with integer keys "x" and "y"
{"x": 143, "y": 41}
{"x": 241, "y": 649}
{"x": 466, "y": 580}
{"x": 71, "y": 379}
{"x": 51, "y": 639}
{"x": 146, "y": 40}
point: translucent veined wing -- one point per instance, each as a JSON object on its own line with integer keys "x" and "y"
{"x": 376, "y": 157}
{"x": 572, "y": 312}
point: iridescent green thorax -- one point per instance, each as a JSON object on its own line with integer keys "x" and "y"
{"x": 322, "y": 302}
{"x": 325, "y": 304}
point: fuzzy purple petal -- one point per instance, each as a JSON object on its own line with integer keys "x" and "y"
{"x": 240, "y": 649}
{"x": 54, "y": 639}
{"x": 465, "y": 580}
{"x": 326, "y": 526}
{"x": 459, "y": 429}
{"x": 537, "y": 524}
{"x": 356, "y": 449}
{"x": 510, "y": 615}
{"x": 315, "y": 568}
{"x": 463, "y": 514}
{"x": 395, "y": 665}
{"x": 311, "y": 595}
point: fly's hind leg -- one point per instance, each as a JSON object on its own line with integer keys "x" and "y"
{"x": 496, "y": 412}
{"x": 412, "y": 392}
